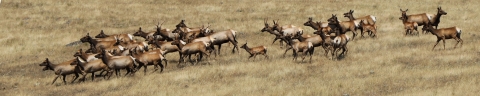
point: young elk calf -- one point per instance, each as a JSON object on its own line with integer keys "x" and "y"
{"x": 409, "y": 26}
{"x": 370, "y": 28}
{"x": 62, "y": 69}
{"x": 255, "y": 51}
{"x": 446, "y": 33}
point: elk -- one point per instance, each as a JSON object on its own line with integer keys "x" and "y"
{"x": 134, "y": 44}
{"x": 344, "y": 26}
{"x": 165, "y": 33}
{"x": 224, "y": 37}
{"x": 85, "y": 56}
{"x": 340, "y": 41}
{"x": 63, "y": 69}
{"x": 327, "y": 41}
{"x": 146, "y": 35}
{"x": 164, "y": 45}
{"x": 409, "y": 26}
{"x": 186, "y": 29}
{"x": 369, "y": 19}
{"x": 287, "y": 29}
{"x": 421, "y": 19}
{"x": 255, "y": 51}
{"x": 315, "y": 40}
{"x": 446, "y": 33}
{"x": 148, "y": 58}
{"x": 125, "y": 37}
{"x": 370, "y": 28}
{"x": 191, "y": 48}
{"x": 98, "y": 44}
{"x": 90, "y": 66}
{"x": 270, "y": 30}
{"x": 118, "y": 62}
{"x": 436, "y": 18}
{"x": 315, "y": 25}
{"x": 305, "y": 47}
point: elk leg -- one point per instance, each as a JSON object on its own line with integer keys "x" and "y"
{"x": 56, "y": 79}
{"x": 286, "y": 51}
{"x": 93, "y": 76}
{"x": 443, "y": 43}
{"x": 438, "y": 40}
{"x": 161, "y": 65}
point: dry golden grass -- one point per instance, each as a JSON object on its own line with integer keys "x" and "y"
{"x": 388, "y": 65}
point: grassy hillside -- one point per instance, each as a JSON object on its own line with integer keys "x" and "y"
{"x": 391, "y": 64}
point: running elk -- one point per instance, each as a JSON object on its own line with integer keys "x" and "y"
{"x": 409, "y": 26}
{"x": 344, "y": 26}
{"x": 446, "y": 33}
{"x": 305, "y": 47}
{"x": 255, "y": 51}
{"x": 371, "y": 29}
{"x": 90, "y": 67}
{"x": 63, "y": 69}
{"x": 118, "y": 62}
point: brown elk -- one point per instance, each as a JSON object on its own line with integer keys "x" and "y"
{"x": 315, "y": 25}
{"x": 287, "y": 29}
{"x": 165, "y": 33}
{"x": 436, "y": 18}
{"x": 113, "y": 37}
{"x": 148, "y": 58}
{"x": 147, "y": 35}
{"x": 255, "y": 51}
{"x": 118, "y": 62}
{"x": 186, "y": 29}
{"x": 270, "y": 30}
{"x": 446, "y": 33}
{"x": 305, "y": 47}
{"x": 315, "y": 40}
{"x": 409, "y": 26}
{"x": 191, "y": 48}
{"x": 85, "y": 56}
{"x": 90, "y": 67}
{"x": 341, "y": 40}
{"x": 421, "y": 19}
{"x": 371, "y": 29}
{"x": 164, "y": 45}
{"x": 63, "y": 69}
{"x": 369, "y": 19}
{"x": 94, "y": 43}
{"x": 344, "y": 26}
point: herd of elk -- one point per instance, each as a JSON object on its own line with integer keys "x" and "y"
{"x": 111, "y": 53}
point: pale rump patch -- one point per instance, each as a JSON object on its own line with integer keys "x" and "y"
{"x": 264, "y": 47}
{"x": 348, "y": 38}
{"x": 373, "y": 18}
{"x": 310, "y": 45}
{"x": 233, "y": 32}
{"x": 181, "y": 41}
{"x": 121, "y": 47}
{"x": 206, "y": 44}
{"x": 130, "y": 36}
{"x": 356, "y": 23}
{"x": 324, "y": 24}
{"x": 458, "y": 30}
{"x": 430, "y": 16}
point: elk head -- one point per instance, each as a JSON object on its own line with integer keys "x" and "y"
{"x": 267, "y": 27}
{"x": 309, "y": 22}
{"x": 46, "y": 63}
{"x": 87, "y": 38}
{"x": 181, "y": 24}
{"x": 440, "y": 11}
{"x": 348, "y": 14}
{"x": 404, "y": 13}
{"x": 139, "y": 32}
{"x": 101, "y": 35}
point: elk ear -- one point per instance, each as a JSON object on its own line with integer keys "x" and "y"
{"x": 406, "y": 10}
{"x": 88, "y": 34}
{"x": 140, "y": 28}
{"x": 351, "y": 11}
